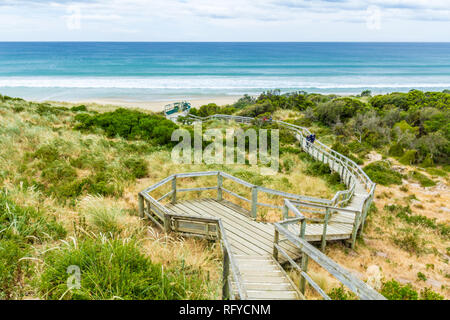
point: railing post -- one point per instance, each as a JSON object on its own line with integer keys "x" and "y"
{"x": 305, "y": 270}
{"x": 225, "y": 274}
{"x": 285, "y": 212}
{"x": 219, "y": 187}
{"x": 254, "y": 201}
{"x": 366, "y": 207}
{"x": 325, "y": 224}
{"x": 355, "y": 229}
{"x": 166, "y": 224}
{"x": 174, "y": 189}
{"x": 303, "y": 229}
{"x": 275, "y": 243}
{"x": 141, "y": 205}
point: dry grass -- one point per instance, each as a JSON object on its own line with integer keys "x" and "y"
{"x": 383, "y": 229}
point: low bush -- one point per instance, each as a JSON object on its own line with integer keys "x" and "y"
{"x": 47, "y": 109}
{"x": 428, "y": 294}
{"x": 409, "y": 157}
{"x": 422, "y": 179}
{"x": 129, "y": 124}
{"x": 81, "y": 108}
{"x": 137, "y": 167}
{"x": 409, "y": 240}
{"x": 406, "y": 215}
{"x": 318, "y": 169}
{"x": 341, "y": 294}
{"x": 393, "y": 290}
{"x": 381, "y": 173}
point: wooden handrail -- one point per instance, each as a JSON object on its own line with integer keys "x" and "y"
{"x": 357, "y": 286}
{"x": 228, "y": 257}
{"x": 351, "y": 173}
{"x": 346, "y": 162}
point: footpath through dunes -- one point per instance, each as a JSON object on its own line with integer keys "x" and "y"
{"x": 254, "y": 251}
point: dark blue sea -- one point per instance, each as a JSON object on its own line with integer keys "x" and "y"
{"x": 165, "y": 71}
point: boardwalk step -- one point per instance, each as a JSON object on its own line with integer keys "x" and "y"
{"x": 275, "y": 295}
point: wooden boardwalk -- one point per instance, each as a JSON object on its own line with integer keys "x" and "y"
{"x": 252, "y": 250}
{"x": 252, "y": 246}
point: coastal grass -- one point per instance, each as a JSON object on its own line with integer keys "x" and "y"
{"x": 114, "y": 269}
{"x": 86, "y": 182}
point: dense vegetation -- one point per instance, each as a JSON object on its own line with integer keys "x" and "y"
{"x": 414, "y": 126}
{"x": 63, "y": 175}
{"x": 129, "y": 124}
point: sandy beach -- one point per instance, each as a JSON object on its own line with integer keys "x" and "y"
{"x": 157, "y": 106}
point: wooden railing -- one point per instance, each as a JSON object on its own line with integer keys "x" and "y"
{"x": 350, "y": 173}
{"x": 210, "y": 228}
{"x": 252, "y": 190}
{"x": 357, "y": 286}
{"x": 328, "y": 213}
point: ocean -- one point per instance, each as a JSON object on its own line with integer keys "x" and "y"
{"x": 77, "y": 71}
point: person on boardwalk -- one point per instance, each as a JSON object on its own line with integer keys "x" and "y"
{"x": 310, "y": 140}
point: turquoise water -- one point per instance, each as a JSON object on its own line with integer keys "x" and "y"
{"x": 160, "y": 71}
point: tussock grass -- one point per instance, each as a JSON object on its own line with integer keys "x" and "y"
{"x": 113, "y": 269}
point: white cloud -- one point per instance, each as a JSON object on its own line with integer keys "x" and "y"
{"x": 217, "y": 20}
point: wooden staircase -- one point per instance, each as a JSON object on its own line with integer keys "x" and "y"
{"x": 264, "y": 279}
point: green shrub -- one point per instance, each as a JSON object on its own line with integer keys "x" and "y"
{"x": 79, "y": 108}
{"x": 421, "y": 276}
{"x": 47, "y": 109}
{"x": 396, "y": 150}
{"x": 59, "y": 171}
{"x": 340, "y": 109}
{"x": 428, "y": 162}
{"x": 289, "y": 149}
{"x": 393, "y": 290}
{"x": 318, "y": 169}
{"x": 409, "y": 240}
{"x": 287, "y": 165}
{"x": 129, "y": 124}
{"x": 252, "y": 177}
{"x": 409, "y": 157}
{"x": 436, "y": 172}
{"x": 341, "y": 294}
{"x": 334, "y": 179}
{"x": 428, "y": 294}
{"x": 47, "y": 153}
{"x": 116, "y": 270}
{"x": 381, "y": 173}
{"x": 257, "y": 109}
{"x": 138, "y": 167}
{"x": 18, "y": 109}
{"x": 422, "y": 179}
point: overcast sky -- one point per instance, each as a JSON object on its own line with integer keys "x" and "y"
{"x": 225, "y": 20}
